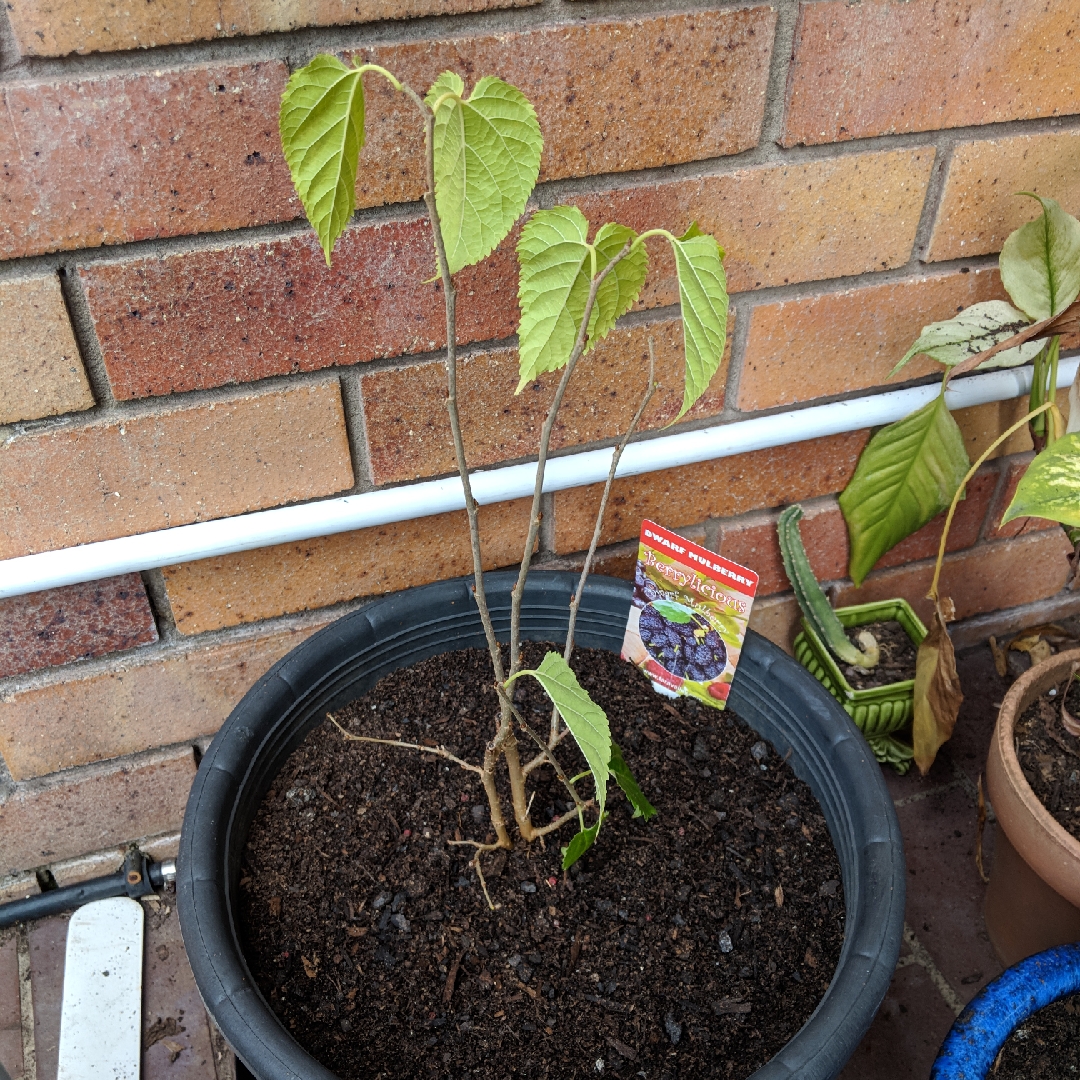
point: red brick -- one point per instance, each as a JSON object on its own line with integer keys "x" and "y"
{"x": 60, "y": 27}
{"x": 74, "y": 485}
{"x": 752, "y": 541}
{"x": 720, "y": 488}
{"x": 40, "y": 370}
{"x": 93, "y": 809}
{"x": 879, "y": 67}
{"x": 408, "y": 428}
{"x": 834, "y": 343}
{"x": 611, "y": 95}
{"x": 205, "y": 318}
{"x": 46, "y": 629}
{"x": 980, "y": 207}
{"x": 329, "y": 570}
{"x": 777, "y": 618}
{"x": 1014, "y": 469}
{"x": 150, "y": 700}
{"x": 115, "y": 158}
{"x": 984, "y": 578}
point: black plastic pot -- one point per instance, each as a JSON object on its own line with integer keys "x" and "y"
{"x": 776, "y": 696}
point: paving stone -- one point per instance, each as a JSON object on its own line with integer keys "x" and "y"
{"x": 907, "y": 1032}
{"x": 11, "y": 1052}
{"x": 169, "y": 993}
{"x": 48, "y": 942}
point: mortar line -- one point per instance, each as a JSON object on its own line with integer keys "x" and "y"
{"x": 922, "y": 957}
{"x": 772, "y": 120}
{"x": 26, "y": 1003}
{"x": 86, "y": 339}
{"x": 160, "y": 605}
{"x": 352, "y": 400}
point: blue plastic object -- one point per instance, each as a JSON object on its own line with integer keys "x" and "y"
{"x": 1002, "y": 1006}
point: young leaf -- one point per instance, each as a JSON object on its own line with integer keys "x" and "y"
{"x": 1040, "y": 262}
{"x": 1051, "y": 486}
{"x": 621, "y": 287}
{"x": 630, "y": 788}
{"x": 553, "y": 286}
{"x": 973, "y": 331}
{"x": 907, "y": 474}
{"x": 322, "y": 132}
{"x": 487, "y": 159}
{"x": 937, "y": 695}
{"x": 675, "y": 613}
{"x": 579, "y": 845}
{"x": 704, "y": 301}
{"x": 587, "y": 722}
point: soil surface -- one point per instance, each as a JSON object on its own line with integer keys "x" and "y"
{"x": 897, "y": 661}
{"x": 1044, "y": 1047}
{"x": 1050, "y": 756}
{"x": 691, "y": 946}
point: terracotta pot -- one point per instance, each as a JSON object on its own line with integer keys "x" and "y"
{"x": 1033, "y": 902}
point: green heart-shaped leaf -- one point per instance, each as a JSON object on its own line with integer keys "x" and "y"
{"x": 487, "y": 158}
{"x": 322, "y": 133}
{"x": 907, "y": 474}
{"x": 673, "y": 612}
{"x": 1040, "y": 262}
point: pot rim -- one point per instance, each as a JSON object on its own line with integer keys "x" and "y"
{"x": 778, "y": 697}
{"x": 1044, "y": 844}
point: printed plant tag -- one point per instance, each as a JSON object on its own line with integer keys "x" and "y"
{"x": 689, "y": 615}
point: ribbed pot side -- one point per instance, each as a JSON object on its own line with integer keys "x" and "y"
{"x": 1033, "y": 901}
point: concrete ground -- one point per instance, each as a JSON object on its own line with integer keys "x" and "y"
{"x": 945, "y": 960}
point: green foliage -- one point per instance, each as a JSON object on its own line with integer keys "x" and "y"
{"x": 556, "y": 269}
{"x": 487, "y": 157}
{"x": 704, "y": 300}
{"x": 587, "y": 722}
{"x": 974, "y": 330}
{"x": 907, "y": 474}
{"x": 812, "y": 601}
{"x": 577, "y": 847}
{"x": 1040, "y": 262}
{"x": 630, "y": 788}
{"x": 322, "y": 132}
{"x": 676, "y": 613}
{"x": 1051, "y": 486}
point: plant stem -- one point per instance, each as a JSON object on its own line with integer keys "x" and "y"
{"x": 933, "y": 593}
{"x": 541, "y": 463}
{"x": 438, "y": 751}
{"x": 575, "y": 600}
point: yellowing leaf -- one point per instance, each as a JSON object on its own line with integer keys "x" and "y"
{"x": 937, "y": 693}
{"x": 1040, "y": 261}
{"x": 1050, "y": 488}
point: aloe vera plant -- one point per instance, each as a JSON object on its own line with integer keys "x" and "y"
{"x": 813, "y": 603}
{"x": 482, "y": 159}
{"x": 914, "y": 469}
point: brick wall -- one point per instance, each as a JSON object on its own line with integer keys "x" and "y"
{"x": 173, "y": 348}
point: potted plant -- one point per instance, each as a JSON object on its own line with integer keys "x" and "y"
{"x": 482, "y": 155}
{"x": 880, "y": 703}
{"x": 978, "y": 1044}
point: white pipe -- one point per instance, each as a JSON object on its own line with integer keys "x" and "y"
{"x": 225, "y": 536}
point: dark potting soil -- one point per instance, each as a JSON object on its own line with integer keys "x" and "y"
{"x": 1044, "y": 1047}
{"x": 897, "y": 661}
{"x": 1050, "y": 756}
{"x": 692, "y": 946}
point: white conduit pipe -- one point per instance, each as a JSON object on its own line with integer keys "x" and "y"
{"x": 225, "y": 536}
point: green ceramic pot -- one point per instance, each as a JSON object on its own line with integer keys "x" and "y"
{"x": 879, "y": 713}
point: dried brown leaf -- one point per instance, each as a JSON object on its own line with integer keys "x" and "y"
{"x": 310, "y": 969}
{"x": 1001, "y": 662}
{"x": 937, "y": 693}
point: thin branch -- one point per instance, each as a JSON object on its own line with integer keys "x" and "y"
{"x": 575, "y": 602}
{"x": 450, "y": 297}
{"x": 559, "y": 822}
{"x": 438, "y": 751}
{"x": 545, "y": 442}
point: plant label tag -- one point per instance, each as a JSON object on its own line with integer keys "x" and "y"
{"x": 688, "y": 618}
